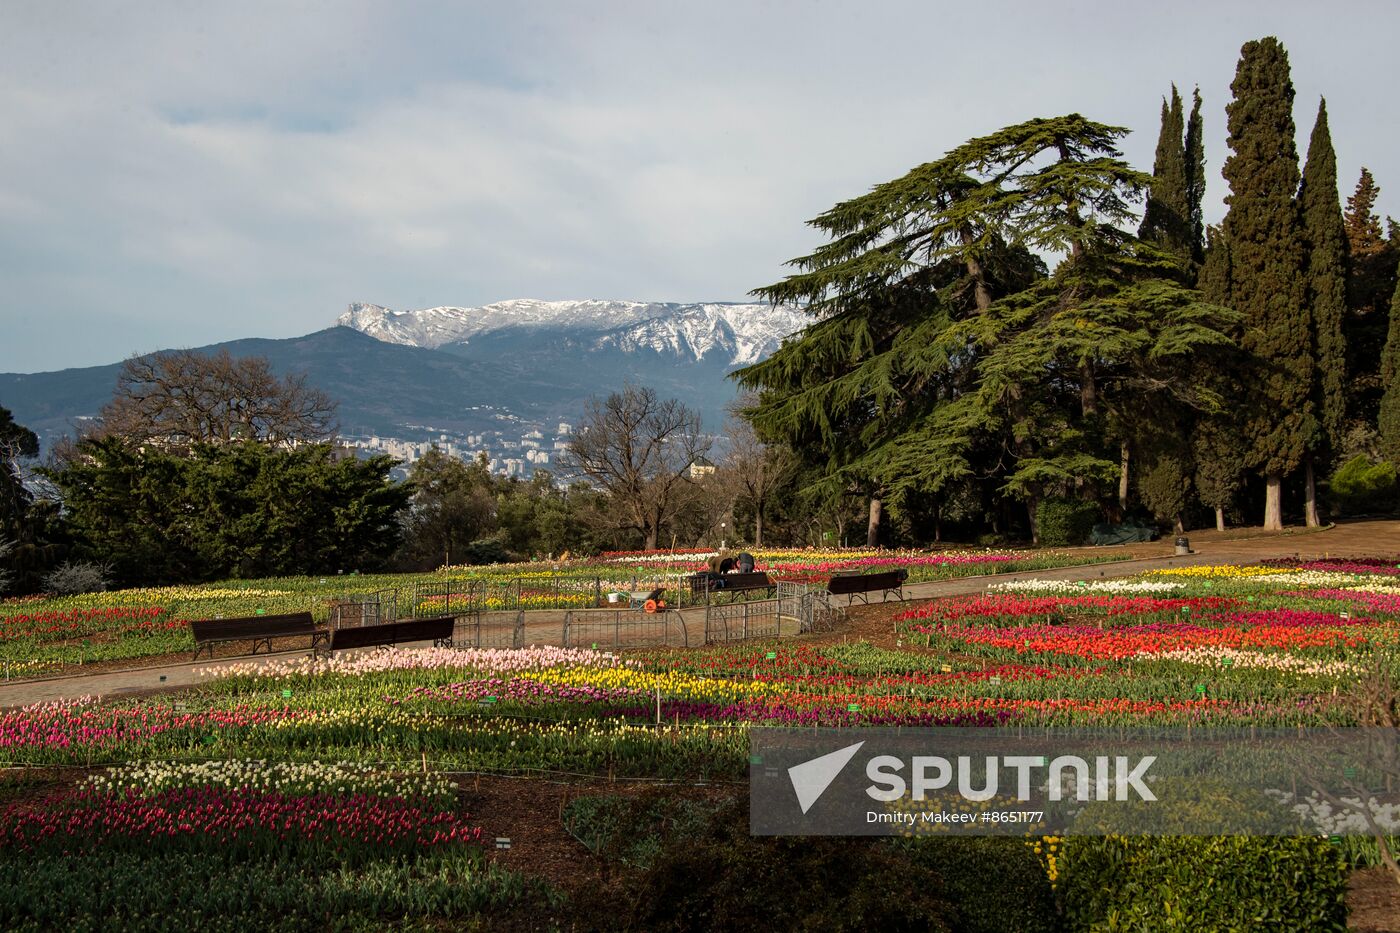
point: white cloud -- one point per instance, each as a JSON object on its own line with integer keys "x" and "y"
{"x": 172, "y": 176}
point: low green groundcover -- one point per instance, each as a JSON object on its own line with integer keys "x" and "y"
{"x": 209, "y": 893}
{"x": 1226, "y": 884}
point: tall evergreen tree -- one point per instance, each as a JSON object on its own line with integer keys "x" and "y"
{"x": 1267, "y": 265}
{"x": 1389, "y": 420}
{"x": 1214, "y": 437}
{"x": 1363, "y": 227}
{"x": 1166, "y": 221}
{"x": 1370, "y": 282}
{"x": 1326, "y": 240}
{"x": 1196, "y": 178}
{"x": 940, "y": 353}
{"x": 1172, "y": 221}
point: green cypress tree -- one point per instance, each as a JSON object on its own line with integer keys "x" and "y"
{"x": 1370, "y": 282}
{"x": 1389, "y": 424}
{"x": 1166, "y": 221}
{"x": 1214, "y": 443}
{"x": 1214, "y": 279}
{"x": 1196, "y": 178}
{"x": 1267, "y": 282}
{"x": 1325, "y": 235}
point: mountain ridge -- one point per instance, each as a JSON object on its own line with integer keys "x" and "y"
{"x": 741, "y": 332}
{"x": 514, "y": 367}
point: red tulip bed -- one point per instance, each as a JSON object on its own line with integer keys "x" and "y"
{"x": 204, "y": 820}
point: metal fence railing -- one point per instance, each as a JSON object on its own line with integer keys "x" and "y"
{"x": 495, "y": 615}
{"x": 490, "y": 630}
{"x": 624, "y": 628}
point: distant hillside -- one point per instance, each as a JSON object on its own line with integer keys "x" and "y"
{"x": 523, "y": 370}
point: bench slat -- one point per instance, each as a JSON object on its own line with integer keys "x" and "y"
{"x": 438, "y": 629}
{"x": 860, "y": 584}
{"x": 260, "y": 630}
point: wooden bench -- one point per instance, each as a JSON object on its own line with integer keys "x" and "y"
{"x": 260, "y": 630}
{"x": 861, "y": 584}
{"x": 438, "y": 630}
{"x": 708, "y": 584}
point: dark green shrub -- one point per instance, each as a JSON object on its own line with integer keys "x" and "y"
{"x": 1362, "y": 486}
{"x": 487, "y": 551}
{"x": 1064, "y": 522}
{"x": 994, "y": 883}
{"x": 1165, "y": 488}
{"x": 721, "y": 878}
{"x": 1226, "y": 884}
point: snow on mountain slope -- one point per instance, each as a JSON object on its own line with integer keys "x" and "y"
{"x": 740, "y": 333}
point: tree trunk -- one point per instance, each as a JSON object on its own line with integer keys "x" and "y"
{"x": 1031, "y": 505}
{"x": 1123, "y": 458}
{"x": 1219, "y": 518}
{"x": 650, "y": 543}
{"x": 1310, "y": 495}
{"x": 872, "y": 530}
{"x": 758, "y": 524}
{"x": 981, "y": 294}
{"x": 1273, "y": 502}
{"x": 1088, "y": 389}
{"x": 1178, "y": 526}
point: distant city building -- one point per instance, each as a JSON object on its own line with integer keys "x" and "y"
{"x": 701, "y": 467}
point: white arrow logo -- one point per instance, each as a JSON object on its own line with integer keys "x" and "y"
{"x": 811, "y": 778}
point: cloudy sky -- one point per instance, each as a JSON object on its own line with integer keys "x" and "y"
{"x": 172, "y": 174}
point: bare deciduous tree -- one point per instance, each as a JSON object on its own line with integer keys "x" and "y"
{"x": 754, "y": 469}
{"x": 639, "y": 449}
{"x": 182, "y": 397}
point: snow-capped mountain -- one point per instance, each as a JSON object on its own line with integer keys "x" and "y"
{"x": 736, "y": 334}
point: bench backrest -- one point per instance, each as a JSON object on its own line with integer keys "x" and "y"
{"x": 294, "y": 623}
{"x": 702, "y": 583}
{"x": 865, "y": 582}
{"x": 741, "y": 581}
{"x": 392, "y": 633}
